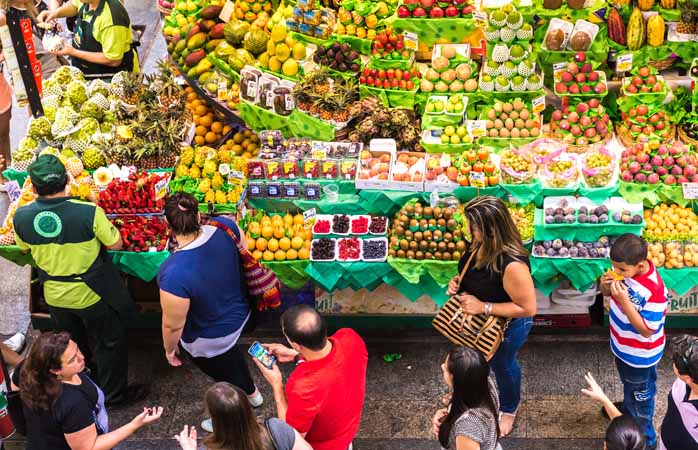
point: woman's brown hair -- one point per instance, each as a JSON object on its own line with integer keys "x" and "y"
{"x": 235, "y": 425}
{"x": 39, "y": 387}
{"x": 182, "y": 212}
{"x": 499, "y": 235}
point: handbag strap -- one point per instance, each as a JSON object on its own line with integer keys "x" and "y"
{"x": 227, "y": 230}
{"x": 466, "y": 267}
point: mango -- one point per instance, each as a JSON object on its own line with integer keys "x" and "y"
{"x": 211, "y": 45}
{"x": 195, "y": 57}
{"x": 217, "y": 31}
{"x": 194, "y": 29}
{"x": 210, "y": 12}
{"x": 203, "y": 66}
{"x": 206, "y": 25}
{"x": 196, "y": 41}
{"x": 180, "y": 46}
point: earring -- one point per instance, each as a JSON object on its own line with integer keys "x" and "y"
{"x": 59, "y": 378}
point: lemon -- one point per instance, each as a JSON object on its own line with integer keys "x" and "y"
{"x": 271, "y": 48}
{"x": 264, "y": 60}
{"x": 298, "y": 51}
{"x": 274, "y": 64}
{"x": 290, "y": 41}
{"x": 282, "y": 52}
{"x": 278, "y": 32}
{"x": 290, "y": 68}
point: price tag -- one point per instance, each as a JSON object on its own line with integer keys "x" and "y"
{"x": 222, "y": 90}
{"x": 538, "y": 104}
{"x": 411, "y": 41}
{"x": 558, "y": 68}
{"x": 477, "y": 128}
{"x": 227, "y": 11}
{"x": 480, "y": 18}
{"x": 152, "y": 249}
{"x": 161, "y": 188}
{"x": 236, "y": 177}
{"x": 191, "y": 133}
{"x": 690, "y": 191}
{"x": 224, "y": 169}
{"x": 624, "y": 62}
{"x": 477, "y": 179}
{"x": 309, "y": 215}
{"x": 13, "y": 190}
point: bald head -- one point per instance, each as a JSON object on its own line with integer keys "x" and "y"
{"x": 303, "y": 325}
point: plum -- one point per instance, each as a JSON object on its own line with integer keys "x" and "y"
{"x": 569, "y": 218}
{"x": 549, "y": 219}
{"x": 549, "y": 211}
{"x": 538, "y": 250}
{"x": 559, "y": 218}
{"x": 551, "y": 252}
{"x": 582, "y": 218}
{"x": 574, "y": 252}
{"x": 593, "y": 253}
{"x": 547, "y": 244}
{"x": 567, "y": 243}
{"x": 603, "y": 218}
{"x": 593, "y": 219}
{"x": 583, "y": 210}
{"x": 637, "y": 219}
{"x": 583, "y": 253}
{"x": 559, "y": 211}
{"x": 564, "y": 252}
{"x": 557, "y": 244}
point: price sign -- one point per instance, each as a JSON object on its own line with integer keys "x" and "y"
{"x": 538, "y": 104}
{"x": 690, "y": 191}
{"x": 236, "y": 177}
{"x": 624, "y": 62}
{"x": 227, "y": 11}
{"x": 161, "y": 188}
{"x": 477, "y": 179}
{"x": 411, "y": 41}
{"x": 558, "y": 68}
{"x": 477, "y": 128}
{"x": 309, "y": 215}
{"x": 480, "y": 18}
{"x": 13, "y": 190}
{"x": 222, "y": 90}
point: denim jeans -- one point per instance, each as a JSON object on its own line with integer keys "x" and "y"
{"x": 505, "y": 366}
{"x": 639, "y": 391}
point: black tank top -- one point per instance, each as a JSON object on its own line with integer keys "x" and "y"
{"x": 486, "y": 285}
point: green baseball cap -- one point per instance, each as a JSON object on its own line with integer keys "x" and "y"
{"x": 47, "y": 171}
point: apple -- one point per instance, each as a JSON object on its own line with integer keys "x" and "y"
{"x": 634, "y": 167}
{"x": 669, "y": 161}
{"x": 580, "y": 57}
{"x": 567, "y": 77}
{"x": 682, "y": 179}
{"x": 640, "y": 177}
{"x": 653, "y": 178}
{"x": 561, "y": 87}
{"x": 600, "y": 88}
{"x": 690, "y": 170}
{"x": 661, "y": 171}
{"x": 586, "y": 68}
{"x": 574, "y": 89}
{"x": 642, "y": 158}
{"x": 593, "y": 77}
{"x": 626, "y": 176}
{"x": 676, "y": 170}
{"x": 436, "y": 12}
{"x": 419, "y": 12}
{"x": 403, "y": 12}
{"x": 573, "y": 68}
{"x": 451, "y": 11}
{"x": 426, "y": 4}
{"x": 656, "y": 161}
{"x": 670, "y": 180}
{"x": 581, "y": 78}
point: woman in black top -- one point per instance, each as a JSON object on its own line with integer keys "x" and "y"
{"x": 498, "y": 282}
{"x": 63, "y": 407}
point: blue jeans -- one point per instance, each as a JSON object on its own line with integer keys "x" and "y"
{"x": 639, "y": 390}
{"x": 505, "y": 366}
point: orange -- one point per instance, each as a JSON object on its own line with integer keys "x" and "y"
{"x": 200, "y": 131}
{"x": 216, "y": 127}
{"x": 207, "y": 120}
{"x": 257, "y": 255}
{"x": 251, "y": 242}
{"x": 261, "y": 244}
{"x": 308, "y": 234}
{"x": 280, "y": 255}
{"x": 273, "y": 245}
{"x": 298, "y": 219}
{"x": 304, "y": 253}
{"x": 306, "y": 244}
{"x": 284, "y": 243}
{"x": 246, "y": 143}
{"x": 197, "y": 119}
{"x": 288, "y": 219}
{"x": 297, "y": 242}
{"x": 201, "y": 110}
{"x": 238, "y": 138}
{"x": 268, "y": 256}
{"x": 211, "y": 137}
{"x": 279, "y": 231}
{"x": 226, "y": 129}
{"x": 267, "y": 231}
{"x": 291, "y": 254}
{"x": 277, "y": 220}
{"x": 199, "y": 140}
{"x": 247, "y": 133}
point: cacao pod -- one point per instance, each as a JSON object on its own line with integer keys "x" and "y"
{"x": 655, "y": 31}
{"x": 645, "y": 5}
{"x": 668, "y": 4}
{"x": 616, "y": 27}
{"x": 636, "y": 30}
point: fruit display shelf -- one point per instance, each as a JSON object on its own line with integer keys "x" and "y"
{"x": 548, "y": 273}
{"x": 652, "y": 194}
{"x": 298, "y": 123}
{"x": 577, "y": 231}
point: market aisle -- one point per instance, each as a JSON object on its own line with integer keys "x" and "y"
{"x": 402, "y": 396}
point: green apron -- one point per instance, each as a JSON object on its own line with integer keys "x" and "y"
{"x": 84, "y": 40}
{"x": 105, "y": 280}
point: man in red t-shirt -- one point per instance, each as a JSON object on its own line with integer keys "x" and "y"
{"x": 325, "y": 393}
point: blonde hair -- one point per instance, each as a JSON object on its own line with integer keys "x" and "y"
{"x": 498, "y": 233}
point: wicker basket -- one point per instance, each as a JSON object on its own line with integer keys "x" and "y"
{"x": 662, "y": 64}
{"x": 687, "y": 140}
{"x": 628, "y": 142}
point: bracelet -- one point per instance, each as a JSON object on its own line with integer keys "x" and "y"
{"x": 488, "y": 309}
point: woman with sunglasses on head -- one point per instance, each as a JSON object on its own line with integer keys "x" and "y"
{"x": 497, "y": 281}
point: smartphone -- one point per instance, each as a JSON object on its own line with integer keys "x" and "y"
{"x": 262, "y": 355}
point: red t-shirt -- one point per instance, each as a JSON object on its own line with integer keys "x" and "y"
{"x": 325, "y": 397}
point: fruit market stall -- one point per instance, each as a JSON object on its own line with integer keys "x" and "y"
{"x": 346, "y": 136}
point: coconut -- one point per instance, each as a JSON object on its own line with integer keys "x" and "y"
{"x": 431, "y": 74}
{"x": 448, "y": 51}
{"x": 456, "y": 86}
{"x": 441, "y": 87}
{"x": 426, "y": 86}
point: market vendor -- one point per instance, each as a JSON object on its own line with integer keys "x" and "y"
{"x": 103, "y": 40}
{"x": 68, "y": 240}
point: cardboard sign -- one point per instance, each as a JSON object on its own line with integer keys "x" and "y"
{"x": 227, "y": 11}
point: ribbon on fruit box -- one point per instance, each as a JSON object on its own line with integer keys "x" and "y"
{"x": 640, "y": 193}
{"x": 679, "y": 280}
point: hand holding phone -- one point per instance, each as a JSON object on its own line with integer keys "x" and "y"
{"x": 262, "y": 355}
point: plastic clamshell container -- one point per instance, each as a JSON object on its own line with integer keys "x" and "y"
{"x": 385, "y": 229}
{"x": 348, "y": 259}
{"x": 334, "y": 255}
{"x": 319, "y": 218}
{"x": 341, "y": 234}
{"x": 363, "y": 244}
{"x": 351, "y": 224}
{"x": 592, "y": 93}
{"x": 437, "y": 98}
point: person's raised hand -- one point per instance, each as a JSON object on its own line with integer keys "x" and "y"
{"x": 187, "y": 438}
{"x": 45, "y": 16}
{"x": 148, "y": 416}
{"x": 595, "y": 392}
{"x": 452, "y": 286}
{"x": 437, "y": 420}
{"x": 282, "y": 353}
{"x": 65, "y": 50}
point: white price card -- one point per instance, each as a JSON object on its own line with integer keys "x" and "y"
{"x": 538, "y": 104}
{"x": 477, "y": 128}
{"x": 411, "y": 41}
{"x": 162, "y": 188}
{"x": 227, "y": 11}
{"x": 690, "y": 191}
{"x": 309, "y": 215}
{"x": 624, "y": 62}
{"x": 480, "y": 18}
{"x": 222, "y": 90}
{"x": 13, "y": 190}
{"x": 477, "y": 179}
{"x": 558, "y": 68}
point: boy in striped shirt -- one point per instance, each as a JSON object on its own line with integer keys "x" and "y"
{"x": 637, "y": 312}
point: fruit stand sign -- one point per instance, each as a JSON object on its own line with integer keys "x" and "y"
{"x": 227, "y": 11}
{"x": 538, "y": 104}
{"x": 477, "y": 128}
{"x": 480, "y": 18}
{"x": 411, "y": 41}
{"x": 624, "y": 62}
{"x": 13, "y": 190}
{"x": 236, "y": 177}
{"x": 558, "y": 68}
{"x": 162, "y": 188}
{"x": 309, "y": 215}
{"x": 690, "y": 191}
{"x": 222, "y": 90}
{"x": 477, "y": 179}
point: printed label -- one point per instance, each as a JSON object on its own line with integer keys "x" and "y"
{"x": 624, "y": 63}
{"x": 538, "y": 104}
{"x": 411, "y": 41}
{"x": 690, "y": 191}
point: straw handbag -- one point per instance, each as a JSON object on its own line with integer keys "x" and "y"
{"x": 481, "y": 332}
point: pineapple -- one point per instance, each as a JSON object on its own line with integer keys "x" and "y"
{"x": 169, "y": 92}
{"x": 74, "y": 166}
{"x": 119, "y": 155}
{"x": 131, "y": 88}
{"x": 146, "y": 157}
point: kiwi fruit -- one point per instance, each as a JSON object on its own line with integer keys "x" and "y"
{"x": 447, "y": 213}
{"x": 451, "y": 224}
{"x": 438, "y": 235}
{"x": 414, "y": 245}
{"x": 448, "y": 237}
{"x": 451, "y": 247}
{"x": 427, "y": 235}
{"x": 417, "y": 236}
{"x": 401, "y": 253}
{"x": 404, "y": 245}
{"x": 460, "y": 246}
{"x": 441, "y": 223}
{"x": 410, "y": 254}
{"x": 446, "y": 256}
{"x": 456, "y": 255}
{"x": 423, "y": 245}
{"x": 414, "y": 225}
{"x": 437, "y": 256}
{"x": 428, "y": 212}
{"x": 419, "y": 255}
{"x": 441, "y": 246}
{"x": 392, "y": 253}
{"x": 437, "y": 212}
{"x": 428, "y": 255}
{"x": 433, "y": 245}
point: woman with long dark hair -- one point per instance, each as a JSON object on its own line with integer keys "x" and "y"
{"x": 471, "y": 420}
{"x": 63, "y": 407}
{"x": 498, "y": 282}
{"x": 235, "y": 425}
{"x": 204, "y": 304}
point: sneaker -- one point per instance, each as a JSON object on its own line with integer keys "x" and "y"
{"x": 207, "y": 425}
{"x": 134, "y": 394}
{"x": 618, "y": 405}
{"x": 256, "y": 399}
{"x": 16, "y": 342}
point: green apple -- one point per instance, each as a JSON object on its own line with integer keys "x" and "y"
{"x": 455, "y": 139}
{"x": 458, "y": 107}
{"x": 461, "y": 132}
{"x": 449, "y": 130}
{"x": 445, "y": 139}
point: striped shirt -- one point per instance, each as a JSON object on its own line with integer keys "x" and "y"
{"x": 649, "y": 296}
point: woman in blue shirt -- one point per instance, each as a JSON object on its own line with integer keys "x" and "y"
{"x": 204, "y": 307}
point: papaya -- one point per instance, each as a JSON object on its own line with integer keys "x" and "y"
{"x": 217, "y": 31}
{"x": 636, "y": 30}
{"x": 655, "y": 31}
{"x": 645, "y": 5}
{"x": 196, "y": 41}
{"x": 210, "y": 12}
{"x": 616, "y": 27}
{"x": 193, "y": 58}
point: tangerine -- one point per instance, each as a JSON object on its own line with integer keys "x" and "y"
{"x": 268, "y": 256}
{"x": 251, "y": 242}
{"x": 280, "y": 255}
{"x": 211, "y": 137}
{"x": 284, "y": 243}
{"x": 291, "y": 254}
{"x": 200, "y": 131}
{"x": 267, "y": 231}
{"x": 297, "y": 242}
{"x": 261, "y": 244}
{"x": 298, "y": 219}
{"x": 199, "y": 140}
{"x": 217, "y": 127}
{"x": 304, "y": 253}
{"x": 257, "y": 255}
{"x": 273, "y": 245}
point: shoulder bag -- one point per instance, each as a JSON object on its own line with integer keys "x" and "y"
{"x": 480, "y": 331}
{"x": 263, "y": 287}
